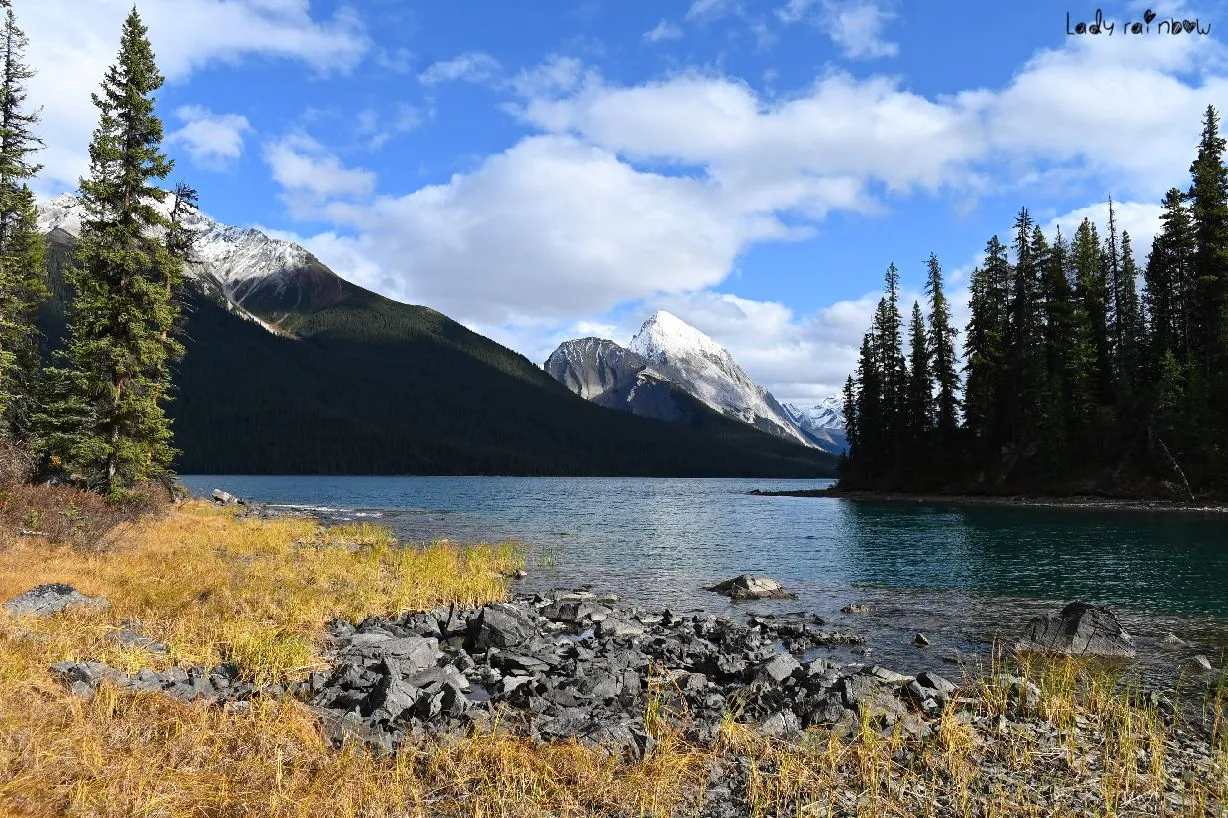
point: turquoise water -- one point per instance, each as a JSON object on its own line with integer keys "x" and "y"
{"x": 962, "y": 573}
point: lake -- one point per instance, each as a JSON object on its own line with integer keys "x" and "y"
{"x": 960, "y": 574}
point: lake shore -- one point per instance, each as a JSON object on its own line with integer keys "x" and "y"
{"x": 1094, "y": 502}
{"x": 298, "y": 666}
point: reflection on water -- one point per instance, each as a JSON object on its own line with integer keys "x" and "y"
{"x": 961, "y": 574}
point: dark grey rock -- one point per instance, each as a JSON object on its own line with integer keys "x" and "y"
{"x": 1079, "y": 629}
{"x": 780, "y": 668}
{"x": 749, "y": 586}
{"x": 49, "y": 599}
{"x": 502, "y": 626}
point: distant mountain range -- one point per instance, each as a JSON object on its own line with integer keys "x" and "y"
{"x": 669, "y": 365}
{"x": 291, "y": 369}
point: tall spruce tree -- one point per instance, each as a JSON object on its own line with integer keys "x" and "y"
{"x": 1129, "y": 326}
{"x": 124, "y": 308}
{"x": 946, "y": 375}
{"x": 985, "y": 356}
{"x": 919, "y": 398}
{"x": 22, "y": 271}
{"x": 892, "y": 370}
{"x": 1209, "y": 211}
{"x": 1166, "y": 287}
{"x": 1060, "y": 356}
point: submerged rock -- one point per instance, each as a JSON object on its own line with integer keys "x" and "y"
{"x": 1079, "y": 629}
{"x": 49, "y": 599}
{"x": 749, "y": 586}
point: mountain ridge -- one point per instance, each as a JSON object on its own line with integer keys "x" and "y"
{"x": 667, "y": 349}
{"x": 299, "y": 371}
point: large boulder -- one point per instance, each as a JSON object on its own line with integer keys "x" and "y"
{"x": 1079, "y": 629}
{"x": 749, "y": 586}
{"x": 45, "y": 600}
{"x": 501, "y": 626}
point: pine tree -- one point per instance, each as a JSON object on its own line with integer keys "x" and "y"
{"x": 1129, "y": 325}
{"x": 1022, "y": 384}
{"x": 1166, "y": 288}
{"x": 1112, "y": 306}
{"x": 893, "y": 375}
{"x": 22, "y": 271}
{"x": 124, "y": 310}
{"x": 869, "y": 413}
{"x": 1061, "y": 353}
{"x": 1209, "y": 212}
{"x": 985, "y": 356}
{"x": 1091, "y": 316}
{"x": 942, "y": 346}
{"x": 852, "y": 436}
{"x": 919, "y": 399}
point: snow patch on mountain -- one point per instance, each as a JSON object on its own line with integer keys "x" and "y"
{"x": 826, "y": 414}
{"x": 704, "y": 368}
{"x": 822, "y": 421}
{"x": 225, "y": 258}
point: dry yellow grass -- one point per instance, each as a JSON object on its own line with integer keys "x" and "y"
{"x": 215, "y": 588}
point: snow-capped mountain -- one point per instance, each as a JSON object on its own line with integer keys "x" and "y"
{"x": 823, "y": 421}
{"x": 666, "y": 354}
{"x": 251, "y": 271}
{"x": 704, "y": 368}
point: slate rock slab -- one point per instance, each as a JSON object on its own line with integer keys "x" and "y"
{"x": 50, "y": 599}
{"x": 749, "y": 586}
{"x": 1079, "y": 629}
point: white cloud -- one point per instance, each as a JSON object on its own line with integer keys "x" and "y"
{"x": 664, "y": 30}
{"x": 212, "y": 140}
{"x": 857, "y": 27}
{"x": 557, "y": 75}
{"x": 398, "y": 60}
{"x": 378, "y": 128}
{"x": 71, "y": 51}
{"x": 709, "y": 9}
{"x": 301, "y": 165}
{"x": 472, "y": 66}
{"x": 795, "y": 10}
{"x": 632, "y": 198}
{"x": 550, "y": 229}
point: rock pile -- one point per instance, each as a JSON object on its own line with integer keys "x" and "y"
{"x": 564, "y": 665}
{"x": 567, "y": 665}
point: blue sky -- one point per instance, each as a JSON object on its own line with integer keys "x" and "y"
{"x": 543, "y": 170}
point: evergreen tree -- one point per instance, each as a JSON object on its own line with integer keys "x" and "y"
{"x": 919, "y": 401}
{"x": 124, "y": 310}
{"x": 1209, "y": 212}
{"x": 1111, "y": 260}
{"x": 1129, "y": 325}
{"x": 985, "y": 355}
{"x": 942, "y": 347}
{"x": 1166, "y": 287}
{"x": 1091, "y": 316}
{"x": 22, "y": 270}
{"x": 1061, "y": 353}
{"x": 851, "y": 436}
{"x": 868, "y": 448}
{"x": 891, "y": 368}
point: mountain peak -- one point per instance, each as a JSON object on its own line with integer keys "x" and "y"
{"x": 665, "y": 333}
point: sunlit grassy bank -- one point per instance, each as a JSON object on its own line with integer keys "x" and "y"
{"x": 214, "y": 588}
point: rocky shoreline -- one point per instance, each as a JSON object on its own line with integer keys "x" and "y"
{"x": 1093, "y": 502}
{"x": 576, "y": 665}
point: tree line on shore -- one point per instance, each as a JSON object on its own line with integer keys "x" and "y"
{"x": 95, "y": 414}
{"x": 1079, "y": 369}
